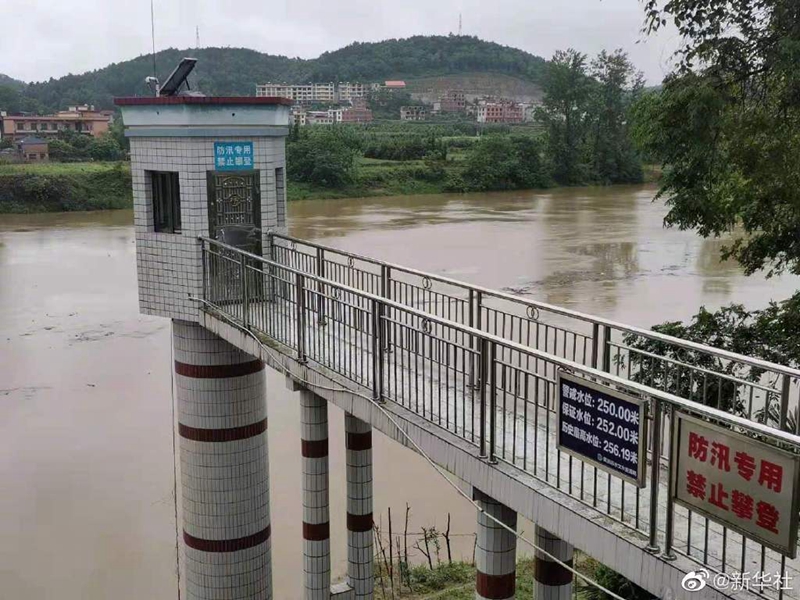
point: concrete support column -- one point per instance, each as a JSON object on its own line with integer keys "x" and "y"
{"x": 551, "y": 580}
{"x": 496, "y": 550}
{"x": 316, "y": 525}
{"x": 358, "y": 441}
{"x": 222, "y": 426}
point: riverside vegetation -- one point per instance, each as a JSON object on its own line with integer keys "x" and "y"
{"x": 581, "y": 135}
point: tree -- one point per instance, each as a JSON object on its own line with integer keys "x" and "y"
{"x": 502, "y": 162}
{"x": 614, "y": 157}
{"x": 104, "y": 147}
{"x": 565, "y": 106}
{"x": 324, "y": 157}
{"x": 727, "y": 126}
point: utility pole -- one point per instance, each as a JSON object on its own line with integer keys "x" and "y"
{"x": 197, "y": 37}
{"x": 459, "y": 23}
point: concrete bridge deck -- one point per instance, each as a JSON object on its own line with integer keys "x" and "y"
{"x": 482, "y": 406}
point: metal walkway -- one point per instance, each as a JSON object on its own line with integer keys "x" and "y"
{"x": 483, "y": 365}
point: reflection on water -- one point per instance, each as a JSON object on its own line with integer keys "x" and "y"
{"x": 85, "y": 412}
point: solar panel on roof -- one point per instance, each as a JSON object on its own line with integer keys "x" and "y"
{"x": 173, "y": 83}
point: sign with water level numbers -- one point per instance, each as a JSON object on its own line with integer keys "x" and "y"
{"x": 734, "y": 479}
{"x": 602, "y": 426}
{"x": 233, "y": 156}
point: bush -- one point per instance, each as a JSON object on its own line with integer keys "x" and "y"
{"x": 325, "y": 157}
{"x": 500, "y": 162}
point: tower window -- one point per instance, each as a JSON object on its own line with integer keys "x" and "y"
{"x": 166, "y": 193}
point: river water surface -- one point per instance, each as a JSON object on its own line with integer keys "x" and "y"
{"x": 86, "y": 471}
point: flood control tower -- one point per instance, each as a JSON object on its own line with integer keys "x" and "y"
{"x": 214, "y": 167}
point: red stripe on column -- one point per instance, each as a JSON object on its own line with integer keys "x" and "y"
{"x": 314, "y": 448}
{"x": 222, "y": 435}
{"x": 358, "y": 441}
{"x": 316, "y": 532}
{"x": 241, "y": 543}
{"x": 496, "y": 587}
{"x": 218, "y": 371}
{"x": 359, "y": 522}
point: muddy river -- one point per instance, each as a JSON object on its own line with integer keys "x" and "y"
{"x": 86, "y": 470}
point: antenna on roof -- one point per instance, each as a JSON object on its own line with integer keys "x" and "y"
{"x": 153, "y": 37}
{"x": 197, "y": 36}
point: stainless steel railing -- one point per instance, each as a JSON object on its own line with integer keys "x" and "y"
{"x": 753, "y": 388}
{"x": 383, "y": 329}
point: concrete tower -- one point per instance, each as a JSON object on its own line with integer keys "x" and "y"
{"x": 213, "y": 167}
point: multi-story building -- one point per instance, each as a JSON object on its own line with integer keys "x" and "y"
{"x": 298, "y": 116}
{"x": 356, "y": 115}
{"x": 452, "y": 101}
{"x": 81, "y": 119}
{"x": 348, "y": 91}
{"x": 499, "y": 111}
{"x": 413, "y": 113}
{"x": 319, "y": 117}
{"x": 305, "y": 93}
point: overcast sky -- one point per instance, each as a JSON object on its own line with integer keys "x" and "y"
{"x": 50, "y": 38}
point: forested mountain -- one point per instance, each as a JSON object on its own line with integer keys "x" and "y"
{"x": 235, "y": 71}
{"x": 10, "y": 81}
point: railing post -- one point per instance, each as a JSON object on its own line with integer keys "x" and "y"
{"x": 300, "y": 317}
{"x": 655, "y": 472}
{"x": 606, "y": 349}
{"x": 386, "y": 292}
{"x": 245, "y": 292}
{"x": 206, "y": 283}
{"x": 475, "y": 322}
{"x": 321, "y": 287}
{"x": 784, "y": 408}
{"x": 483, "y": 358}
{"x": 493, "y": 403}
{"x": 595, "y": 343}
{"x": 377, "y": 351}
{"x": 669, "y": 525}
{"x": 271, "y": 245}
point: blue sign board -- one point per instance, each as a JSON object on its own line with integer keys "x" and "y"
{"x": 233, "y": 156}
{"x": 602, "y": 426}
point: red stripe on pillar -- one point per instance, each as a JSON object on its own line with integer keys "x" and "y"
{"x": 218, "y": 371}
{"x": 241, "y": 543}
{"x": 222, "y": 435}
{"x": 316, "y": 532}
{"x": 496, "y": 587}
{"x": 358, "y": 441}
{"x": 359, "y": 522}
{"x": 314, "y": 448}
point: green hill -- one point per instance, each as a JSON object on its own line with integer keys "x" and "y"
{"x": 11, "y": 82}
{"x": 235, "y": 71}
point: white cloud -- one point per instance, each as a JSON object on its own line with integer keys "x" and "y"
{"x": 50, "y": 38}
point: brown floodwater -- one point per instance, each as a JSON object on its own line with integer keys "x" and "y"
{"x": 86, "y": 475}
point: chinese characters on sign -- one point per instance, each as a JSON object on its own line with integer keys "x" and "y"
{"x": 743, "y": 483}
{"x": 603, "y": 426}
{"x": 233, "y": 156}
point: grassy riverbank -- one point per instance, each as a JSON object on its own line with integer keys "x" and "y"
{"x": 64, "y": 187}
{"x": 374, "y": 177}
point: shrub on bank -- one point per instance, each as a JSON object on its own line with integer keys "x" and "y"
{"x": 42, "y": 192}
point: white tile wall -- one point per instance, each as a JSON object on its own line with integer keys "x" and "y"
{"x": 169, "y": 265}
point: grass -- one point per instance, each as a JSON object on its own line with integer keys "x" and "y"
{"x": 456, "y": 581}
{"x": 58, "y": 168}
{"x": 376, "y": 177}
{"x": 58, "y": 187}
{"x": 451, "y": 582}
